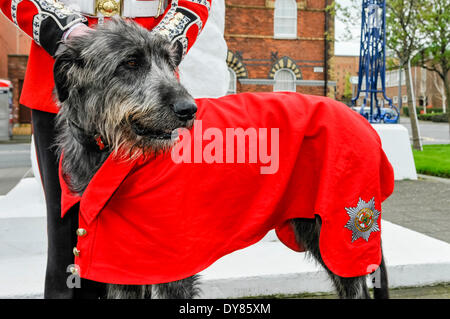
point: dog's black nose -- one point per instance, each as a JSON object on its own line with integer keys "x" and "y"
{"x": 185, "y": 109}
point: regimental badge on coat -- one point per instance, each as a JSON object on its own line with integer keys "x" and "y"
{"x": 363, "y": 219}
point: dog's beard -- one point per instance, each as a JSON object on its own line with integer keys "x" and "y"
{"x": 149, "y": 142}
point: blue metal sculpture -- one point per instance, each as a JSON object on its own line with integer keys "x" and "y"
{"x": 372, "y": 64}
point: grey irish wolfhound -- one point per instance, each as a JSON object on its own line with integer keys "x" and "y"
{"x": 119, "y": 82}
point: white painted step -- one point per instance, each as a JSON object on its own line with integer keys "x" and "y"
{"x": 268, "y": 267}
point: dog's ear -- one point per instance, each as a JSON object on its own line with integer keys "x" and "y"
{"x": 66, "y": 57}
{"x": 178, "y": 49}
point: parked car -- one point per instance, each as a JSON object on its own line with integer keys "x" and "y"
{"x": 6, "y": 119}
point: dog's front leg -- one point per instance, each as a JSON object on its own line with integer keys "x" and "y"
{"x": 181, "y": 289}
{"x": 128, "y": 291}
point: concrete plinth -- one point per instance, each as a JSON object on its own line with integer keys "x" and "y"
{"x": 396, "y": 145}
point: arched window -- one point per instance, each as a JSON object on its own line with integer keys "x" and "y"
{"x": 232, "y": 84}
{"x": 285, "y": 19}
{"x": 284, "y": 81}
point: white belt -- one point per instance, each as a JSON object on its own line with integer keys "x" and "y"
{"x": 123, "y": 8}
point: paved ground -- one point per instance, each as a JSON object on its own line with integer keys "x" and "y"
{"x": 14, "y": 162}
{"x": 422, "y": 205}
{"x": 430, "y": 132}
{"x": 9, "y": 177}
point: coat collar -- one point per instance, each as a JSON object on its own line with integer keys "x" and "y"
{"x": 100, "y": 189}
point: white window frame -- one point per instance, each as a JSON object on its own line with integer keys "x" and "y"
{"x": 283, "y": 18}
{"x": 232, "y": 84}
{"x": 294, "y": 85}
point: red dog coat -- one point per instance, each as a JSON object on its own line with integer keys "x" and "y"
{"x": 157, "y": 220}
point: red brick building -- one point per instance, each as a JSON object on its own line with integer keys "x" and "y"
{"x": 345, "y": 66}
{"x": 14, "y": 48}
{"x": 280, "y": 45}
{"x": 428, "y": 88}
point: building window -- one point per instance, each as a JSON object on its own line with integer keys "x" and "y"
{"x": 232, "y": 83}
{"x": 405, "y": 98}
{"x": 392, "y": 78}
{"x": 395, "y": 99}
{"x": 285, "y": 19}
{"x": 236, "y": 70}
{"x": 285, "y": 63}
{"x": 284, "y": 81}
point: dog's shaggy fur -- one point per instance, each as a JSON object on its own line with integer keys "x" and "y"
{"x": 119, "y": 82}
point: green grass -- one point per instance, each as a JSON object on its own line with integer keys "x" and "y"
{"x": 433, "y": 160}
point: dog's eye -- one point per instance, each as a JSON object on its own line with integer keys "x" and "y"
{"x": 132, "y": 63}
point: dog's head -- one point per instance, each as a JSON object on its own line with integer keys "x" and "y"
{"x": 119, "y": 81}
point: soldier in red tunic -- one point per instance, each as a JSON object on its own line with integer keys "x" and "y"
{"x": 50, "y": 23}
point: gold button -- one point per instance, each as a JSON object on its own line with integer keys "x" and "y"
{"x": 81, "y": 232}
{"x": 76, "y": 252}
{"x": 108, "y": 8}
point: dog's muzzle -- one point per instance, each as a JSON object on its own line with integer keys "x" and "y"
{"x": 184, "y": 109}
{"x": 140, "y": 130}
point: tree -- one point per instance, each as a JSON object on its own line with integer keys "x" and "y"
{"x": 348, "y": 94}
{"x": 439, "y": 85}
{"x": 403, "y": 38}
{"x": 435, "y": 56}
{"x": 349, "y": 13}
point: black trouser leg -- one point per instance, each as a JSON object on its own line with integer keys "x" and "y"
{"x": 60, "y": 231}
